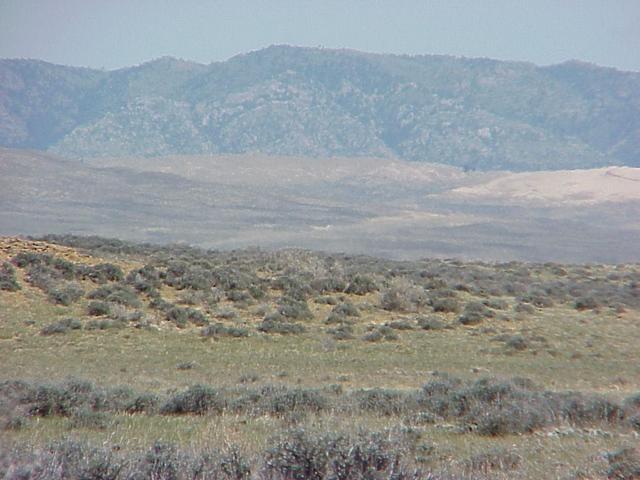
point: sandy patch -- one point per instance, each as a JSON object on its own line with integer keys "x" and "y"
{"x": 610, "y": 184}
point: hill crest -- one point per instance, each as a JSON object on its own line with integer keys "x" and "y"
{"x": 282, "y": 100}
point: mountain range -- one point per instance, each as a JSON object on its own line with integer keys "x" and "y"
{"x": 479, "y": 114}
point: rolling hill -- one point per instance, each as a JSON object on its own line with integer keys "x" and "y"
{"x": 386, "y": 207}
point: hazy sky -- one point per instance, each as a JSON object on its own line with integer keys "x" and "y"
{"x": 117, "y": 33}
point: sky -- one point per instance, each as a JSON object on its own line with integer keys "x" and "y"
{"x": 118, "y": 33}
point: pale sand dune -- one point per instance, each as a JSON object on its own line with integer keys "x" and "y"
{"x": 601, "y": 185}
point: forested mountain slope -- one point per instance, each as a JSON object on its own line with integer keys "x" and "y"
{"x": 474, "y": 113}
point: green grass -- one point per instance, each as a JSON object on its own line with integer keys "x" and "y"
{"x": 587, "y": 351}
{"x": 584, "y": 351}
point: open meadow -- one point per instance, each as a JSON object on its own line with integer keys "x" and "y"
{"x": 124, "y": 359}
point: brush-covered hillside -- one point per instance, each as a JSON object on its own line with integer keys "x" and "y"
{"x": 125, "y": 360}
{"x": 474, "y": 113}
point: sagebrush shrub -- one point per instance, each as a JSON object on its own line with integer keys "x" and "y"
{"x": 475, "y": 313}
{"x": 383, "y": 401}
{"x": 445, "y": 305}
{"x": 41, "y": 276}
{"x": 586, "y": 303}
{"x": 161, "y": 462}
{"x": 400, "y": 325}
{"x": 402, "y": 296}
{"x": 160, "y": 304}
{"x": 294, "y": 309}
{"x": 197, "y": 399}
{"x": 503, "y": 419}
{"x": 284, "y": 400}
{"x": 517, "y": 342}
{"x": 297, "y": 457}
{"x": 342, "y": 332}
{"x": 13, "y": 422}
{"x": 328, "y": 285}
{"x": 116, "y": 293}
{"x": 62, "y": 326}
{"x": 26, "y": 259}
{"x": 346, "y": 309}
{"x": 144, "y": 279}
{"x": 143, "y": 403}
{"x": 102, "y": 273}
{"x": 103, "y": 324}
{"x": 373, "y": 336}
{"x": 275, "y": 325}
{"x": 180, "y": 316}
{"x": 430, "y": 323}
{"x": 98, "y": 308}
{"x": 338, "y": 319}
{"x": 361, "y": 285}
{"x": 64, "y": 267}
{"x": 221, "y": 330}
{"x": 524, "y": 308}
{"x": 326, "y": 300}
{"x": 624, "y": 464}
{"x": 8, "y": 280}
{"x": 65, "y": 294}
{"x": 537, "y": 298}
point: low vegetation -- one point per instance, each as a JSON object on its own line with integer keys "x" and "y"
{"x": 140, "y": 361}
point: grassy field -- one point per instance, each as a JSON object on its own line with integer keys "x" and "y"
{"x": 325, "y": 331}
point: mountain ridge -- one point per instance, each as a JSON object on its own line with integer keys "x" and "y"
{"x": 282, "y": 100}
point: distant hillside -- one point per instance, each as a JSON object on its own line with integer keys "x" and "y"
{"x": 385, "y": 207}
{"x": 473, "y": 113}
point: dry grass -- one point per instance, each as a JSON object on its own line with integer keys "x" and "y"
{"x": 589, "y": 351}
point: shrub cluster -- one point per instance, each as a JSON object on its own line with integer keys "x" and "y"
{"x": 145, "y": 279}
{"x": 624, "y": 464}
{"x": 299, "y": 273}
{"x": 293, "y": 455}
{"x": 298, "y": 455}
{"x": 403, "y": 296}
{"x": 445, "y": 305}
{"x": 8, "y": 280}
{"x": 474, "y": 313}
{"x": 98, "y": 308}
{"x": 488, "y": 406}
{"x": 58, "y": 277}
{"x": 361, "y": 285}
{"x": 381, "y": 332}
{"x": 293, "y": 309}
{"x": 221, "y": 330}
{"x": 197, "y": 400}
{"x": 116, "y": 293}
{"x": 181, "y": 316}
{"x": 65, "y": 294}
{"x": 341, "y": 332}
{"x": 278, "y": 324}
{"x": 207, "y": 277}
{"x": 430, "y": 323}
{"x": 62, "y": 326}
{"x": 71, "y": 459}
